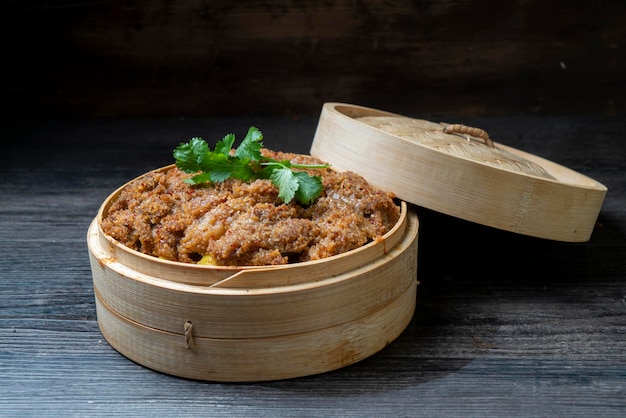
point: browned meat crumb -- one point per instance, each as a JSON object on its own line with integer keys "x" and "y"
{"x": 238, "y": 223}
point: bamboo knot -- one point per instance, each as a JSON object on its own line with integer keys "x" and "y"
{"x": 188, "y": 334}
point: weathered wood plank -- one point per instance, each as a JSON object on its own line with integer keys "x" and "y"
{"x": 506, "y": 326}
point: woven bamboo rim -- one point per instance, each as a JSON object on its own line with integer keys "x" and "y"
{"x": 233, "y": 276}
{"x": 459, "y": 171}
{"x": 455, "y": 139}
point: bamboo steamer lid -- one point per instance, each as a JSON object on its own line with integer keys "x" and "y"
{"x": 459, "y": 171}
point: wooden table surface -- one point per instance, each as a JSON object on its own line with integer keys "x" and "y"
{"x": 505, "y": 325}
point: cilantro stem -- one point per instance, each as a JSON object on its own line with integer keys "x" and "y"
{"x": 294, "y": 165}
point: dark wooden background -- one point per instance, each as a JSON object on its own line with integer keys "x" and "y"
{"x": 96, "y": 92}
{"x": 202, "y": 58}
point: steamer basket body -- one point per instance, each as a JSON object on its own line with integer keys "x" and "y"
{"x": 254, "y": 324}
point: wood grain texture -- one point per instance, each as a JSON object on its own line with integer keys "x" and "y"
{"x": 283, "y": 57}
{"x": 505, "y": 325}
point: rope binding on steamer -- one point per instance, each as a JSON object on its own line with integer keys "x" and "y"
{"x": 188, "y": 327}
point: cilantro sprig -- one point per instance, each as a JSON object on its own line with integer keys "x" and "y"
{"x": 247, "y": 163}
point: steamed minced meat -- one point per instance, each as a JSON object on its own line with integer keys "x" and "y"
{"x": 237, "y": 223}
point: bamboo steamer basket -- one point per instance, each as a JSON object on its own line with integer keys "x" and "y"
{"x": 243, "y": 324}
{"x": 459, "y": 171}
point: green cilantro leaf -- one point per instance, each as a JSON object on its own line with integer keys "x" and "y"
{"x": 199, "y": 179}
{"x": 251, "y": 145}
{"x": 225, "y": 145}
{"x": 286, "y": 182}
{"x": 189, "y": 156}
{"x": 309, "y": 188}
